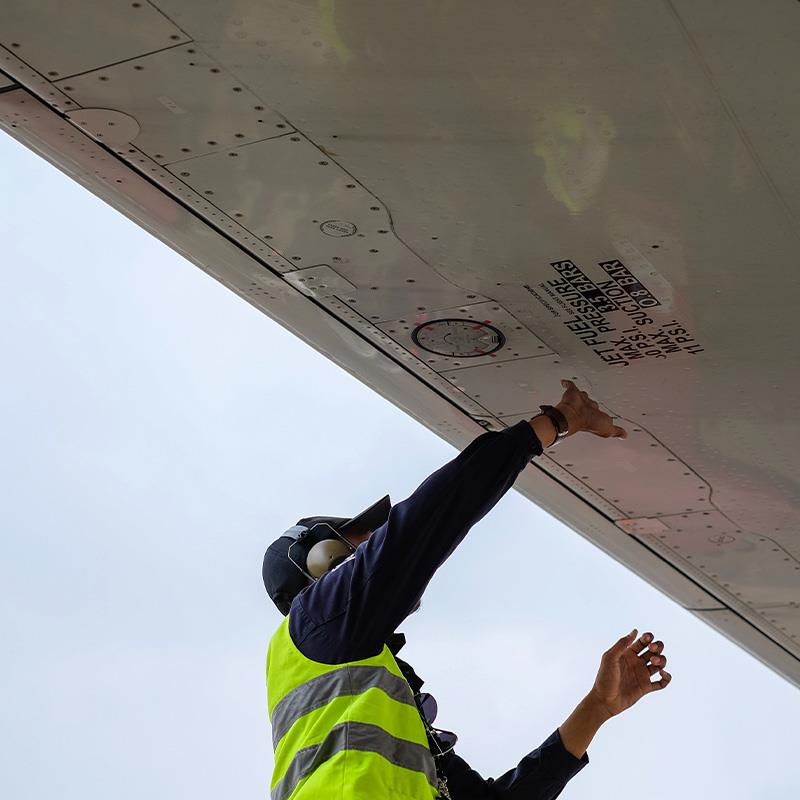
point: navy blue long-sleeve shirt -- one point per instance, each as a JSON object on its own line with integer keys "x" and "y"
{"x": 351, "y": 612}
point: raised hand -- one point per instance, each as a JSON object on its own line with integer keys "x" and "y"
{"x": 584, "y": 414}
{"x": 626, "y": 670}
{"x": 625, "y": 676}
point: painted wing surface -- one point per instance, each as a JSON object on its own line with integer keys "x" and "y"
{"x": 462, "y": 209}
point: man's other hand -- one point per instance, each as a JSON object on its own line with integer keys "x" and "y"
{"x": 626, "y": 672}
{"x": 584, "y": 414}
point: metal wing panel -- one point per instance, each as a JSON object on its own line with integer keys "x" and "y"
{"x": 52, "y": 37}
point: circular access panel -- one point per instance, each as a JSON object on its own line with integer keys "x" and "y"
{"x": 458, "y": 338}
{"x": 338, "y": 227}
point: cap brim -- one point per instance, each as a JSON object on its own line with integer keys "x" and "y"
{"x": 369, "y": 520}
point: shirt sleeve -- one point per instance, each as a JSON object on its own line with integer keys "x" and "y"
{"x": 350, "y": 612}
{"x": 541, "y": 775}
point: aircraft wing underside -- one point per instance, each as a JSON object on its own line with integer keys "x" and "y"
{"x": 461, "y": 204}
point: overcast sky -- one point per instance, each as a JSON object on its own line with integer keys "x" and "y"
{"x": 157, "y": 433}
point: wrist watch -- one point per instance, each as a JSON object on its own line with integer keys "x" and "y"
{"x": 559, "y": 422}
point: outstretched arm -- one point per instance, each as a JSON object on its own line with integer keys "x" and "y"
{"x": 350, "y": 613}
{"x": 625, "y": 676}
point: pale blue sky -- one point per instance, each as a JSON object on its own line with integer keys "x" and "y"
{"x": 157, "y": 433}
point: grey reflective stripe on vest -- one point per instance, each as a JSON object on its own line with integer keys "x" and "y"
{"x": 355, "y": 736}
{"x": 345, "y": 681}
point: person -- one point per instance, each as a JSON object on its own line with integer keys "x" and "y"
{"x": 349, "y": 719}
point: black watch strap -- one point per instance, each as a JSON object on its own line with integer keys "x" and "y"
{"x": 559, "y": 422}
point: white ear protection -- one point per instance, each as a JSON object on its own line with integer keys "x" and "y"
{"x": 326, "y": 553}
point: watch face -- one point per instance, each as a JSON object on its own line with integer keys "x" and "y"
{"x": 458, "y": 338}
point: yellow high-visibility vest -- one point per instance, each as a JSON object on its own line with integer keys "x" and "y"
{"x": 344, "y": 731}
